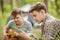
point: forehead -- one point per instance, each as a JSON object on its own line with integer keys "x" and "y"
{"x": 17, "y": 15}
{"x": 35, "y": 12}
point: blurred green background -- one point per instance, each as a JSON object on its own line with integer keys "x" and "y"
{"x": 6, "y": 7}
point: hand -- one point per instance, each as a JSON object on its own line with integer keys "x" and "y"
{"x": 16, "y": 33}
{"x": 21, "y": 33}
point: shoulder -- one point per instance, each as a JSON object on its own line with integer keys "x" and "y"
{"x": 52, "y": 21}
{"x": 27, "y": 23}
{"x": 10, "y": 22}
{"x": 57, "y": 21}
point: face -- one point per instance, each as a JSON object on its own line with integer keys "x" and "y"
{"x": 17, "y": 19}
{"x": 39, "y": 16}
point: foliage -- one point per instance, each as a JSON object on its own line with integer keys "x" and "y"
{"x": 7, "y": 8}
{"x": 7, "y": 11}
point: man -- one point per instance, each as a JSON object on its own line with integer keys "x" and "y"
{"x": 26, "y": 15}
{"x": 22, "y": 28}
{"x": 50, "y": 25}
{"x": 25, "y": 9}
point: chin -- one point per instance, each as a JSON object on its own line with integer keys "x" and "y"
{"x": 17, "y": 22}
{"x": 37, "y": 21}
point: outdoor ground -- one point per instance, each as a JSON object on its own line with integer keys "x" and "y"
{"x": 3, "y": 20}
{"x": 36, "y": 31}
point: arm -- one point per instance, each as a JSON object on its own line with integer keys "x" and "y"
{"x": 7, "y": 28}
{"x": 22, "y": 35}
{"x": 29, "y": 29}
{"x": 26, "y": 35}
{"x": 51, "y": 30}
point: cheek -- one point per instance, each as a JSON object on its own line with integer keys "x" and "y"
{"x": 20, "y": 19}
{"x": 37, "y": 18}
{"x": 40, "y": 16}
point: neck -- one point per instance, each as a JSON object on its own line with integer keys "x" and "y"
{"x": 21, "y": 23}
{"x": 44, "y": 19}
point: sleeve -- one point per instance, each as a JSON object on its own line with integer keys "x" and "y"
{"x": 58, "y": 25}
{"x": 8, "y": 24}
{"x": 51, "y": 30}
{"x": 9, "y": 18}
{"x": 29, "y": 28}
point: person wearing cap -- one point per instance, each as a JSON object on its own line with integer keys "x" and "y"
{"x": 49, "y": 25}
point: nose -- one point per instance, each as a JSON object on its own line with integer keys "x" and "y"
{"x": 15, "y": 19}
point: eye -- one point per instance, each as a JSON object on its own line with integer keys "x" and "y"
{"x": 34, "y": 15}
{"x": 17, "y": 17}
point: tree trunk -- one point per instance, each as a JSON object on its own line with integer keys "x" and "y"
{"x": 56, "y": 6}
{"x": 2, "y": 8}
{"x": 11, "y": 3}
{"x": 46, "y": 3}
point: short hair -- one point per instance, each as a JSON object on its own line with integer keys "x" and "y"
{"x": 38, "y": 6}
{"x": 15, "y": 12}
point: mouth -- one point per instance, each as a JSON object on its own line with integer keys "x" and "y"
{"x": 16, "y": 22}
{"x": 37, "y": 21}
